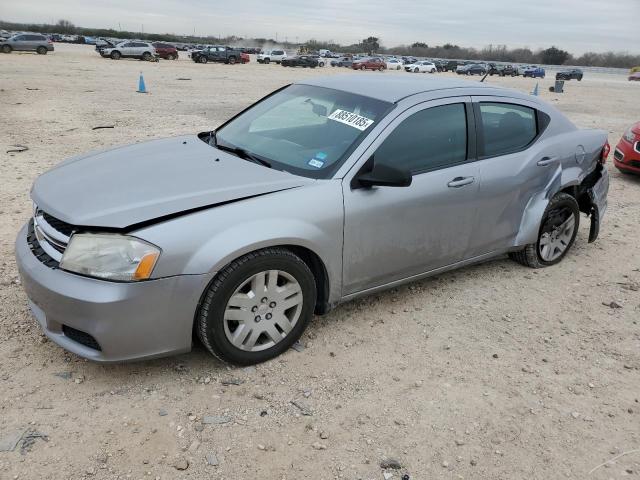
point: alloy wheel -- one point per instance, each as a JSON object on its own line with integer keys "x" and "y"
{"x": 263, "y": 310}
{"x": 557, "y": 233}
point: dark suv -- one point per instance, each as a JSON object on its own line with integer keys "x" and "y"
{"x": 574, "y": 73}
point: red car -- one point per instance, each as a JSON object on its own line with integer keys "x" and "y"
{"x": 245, "y": 58}
{"x": 369, "y": 63}
{"x": 626, "y": 156}
{"x": 166, "y": 51}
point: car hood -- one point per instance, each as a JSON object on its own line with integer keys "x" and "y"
{"x": 128, "y": 185}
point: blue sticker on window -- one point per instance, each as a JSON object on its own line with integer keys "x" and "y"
{"x": 321, "y": 156}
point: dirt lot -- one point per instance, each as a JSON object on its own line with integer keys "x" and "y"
{"x": 493, "y": 371}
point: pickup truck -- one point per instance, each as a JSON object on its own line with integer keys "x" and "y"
{"x": 217, "y": 53}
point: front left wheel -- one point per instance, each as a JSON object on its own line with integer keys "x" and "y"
{"x": 256, "y": 307}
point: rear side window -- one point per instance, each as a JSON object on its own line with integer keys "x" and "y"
{"x": 506, "y": 127}
{"x": 428, "y": 140}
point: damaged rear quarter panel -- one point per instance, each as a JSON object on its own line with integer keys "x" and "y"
{"x": 579, "y": 152}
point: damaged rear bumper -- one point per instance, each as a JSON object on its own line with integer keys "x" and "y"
{"x": 597, "y": 188}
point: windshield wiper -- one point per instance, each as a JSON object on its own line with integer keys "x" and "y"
{"x": 240, "y": 152}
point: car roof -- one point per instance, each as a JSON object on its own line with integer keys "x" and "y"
{"x": 385, "y": 88}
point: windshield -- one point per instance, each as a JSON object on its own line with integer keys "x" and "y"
{"x": 302, "y": 129}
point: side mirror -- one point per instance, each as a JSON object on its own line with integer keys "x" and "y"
{"x": 383, "y": 176}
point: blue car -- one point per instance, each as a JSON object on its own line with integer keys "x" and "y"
{"x": 534, "y": 72}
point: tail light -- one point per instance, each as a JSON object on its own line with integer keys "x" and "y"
{"x": 606, "y": 149}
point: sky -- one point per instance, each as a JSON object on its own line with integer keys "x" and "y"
{"x": 574, "y": 25}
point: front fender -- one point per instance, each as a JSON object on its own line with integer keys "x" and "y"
{"x": 204, "y": 242}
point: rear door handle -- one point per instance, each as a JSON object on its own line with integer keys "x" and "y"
{"x": 460, "y": 182}
{"x": 543, "y": 162}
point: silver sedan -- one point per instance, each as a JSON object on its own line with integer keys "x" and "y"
{"x": 324, "y": 191}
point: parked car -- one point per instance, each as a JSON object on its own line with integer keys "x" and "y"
{"x": 342, "y": 62}
{"x": 573, "y": 73}
{"x": 321, "y": 60}
{"x": 245, "y": 58}
{"x": 130, "y": 49}
{"x": 626, "y": 156}
{"x": 501, "y": 70}
{"x": 394, "y": 64}
{"x": 272, "y": 56}
{"x": 369, "y": 63}
{"x": 222, "y": 244}
{"x": 409, "y": 60}
{"x": 300, "y": 61}
{"x": 452, "y": 66}
{"x": 27, "y": 42}
{"x": 166, "y": 50}
{"x": 534, "y": 72}
{"x": 472, "y": 69}
{"x": 102, "y": 43}
{"x": 634, "y": 77}
{"x": 217, "y": 53}
{"x": 422, "y": 66}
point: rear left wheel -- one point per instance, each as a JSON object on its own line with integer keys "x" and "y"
{"x": 557, "y": 234}
{"x": 257, "y": 306}
{"x": 6, "y": 48}
{"x": 41, "y": 50}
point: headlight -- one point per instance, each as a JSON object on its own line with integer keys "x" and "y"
{"x": 110, "y": 256}
{"x": 629, "y": 136}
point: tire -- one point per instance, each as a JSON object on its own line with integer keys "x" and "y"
{"x": 232, "y": 60}
{"x": 146, "y": 56}
{"x": 6, "y": 49}
{"x": 321, "y": 64}
{"x": 559, "y": 205}
{"x": 579, "y": 79}
{"x": 115, "y": 55}
{"x": 266, "y": 60}
{"x": 170, "y": 57}
{"x": 416, "y": 70}
{"x": 381, "y": 69}
{"x": 41, "y": 50}
{"x": 363, "y": 68}
{"x": 216, "y": 333}
{"x": 433, "y": 70}
{"x": 203, "y": 59}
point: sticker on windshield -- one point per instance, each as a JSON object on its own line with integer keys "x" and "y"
{"x": 321, "y": 156}
{"x": 316, "y": 163}
{"x": 352, "y": 119}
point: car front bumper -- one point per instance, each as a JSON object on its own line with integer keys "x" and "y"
{"x": 110, "y": 322}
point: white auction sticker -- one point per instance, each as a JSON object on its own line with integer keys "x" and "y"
{"x": 352, "y": 119}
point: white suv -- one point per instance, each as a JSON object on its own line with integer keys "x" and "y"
{"x": 130, "y": 49}
{"x": 272, "y": 56}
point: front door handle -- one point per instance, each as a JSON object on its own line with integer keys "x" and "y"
{"x": 543, "y": 162}
{"x": 460, "y": 182}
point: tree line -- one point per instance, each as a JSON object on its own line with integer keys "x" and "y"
{"x": 499, "y": 53}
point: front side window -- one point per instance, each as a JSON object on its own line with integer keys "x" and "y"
{"x": 506, "y": 127}
{"x": 428, "y": 140}
{"x": 303, "y": 129}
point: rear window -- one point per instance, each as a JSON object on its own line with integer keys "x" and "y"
{"x": 277, "y": 52}
{"x": 506, "y": 127}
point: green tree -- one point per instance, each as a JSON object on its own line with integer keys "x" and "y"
{"x": 419, "y": 45}
{"x": 554, "y": 56}
{"x": 65, "y": 26}
{"x": 371, "y": 44}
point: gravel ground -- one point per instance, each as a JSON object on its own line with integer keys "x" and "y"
{"x": 492, "y": 371}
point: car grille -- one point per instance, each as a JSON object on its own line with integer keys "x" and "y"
{"x": 635, "y": 163}
{"x": 81, "y": 337}
{"x": 48, "y": 237}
